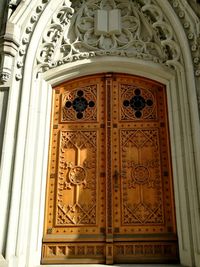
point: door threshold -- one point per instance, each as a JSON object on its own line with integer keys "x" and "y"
{"x": 114, "y": 265}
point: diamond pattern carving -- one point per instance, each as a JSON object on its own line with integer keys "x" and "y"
{"x": 75, "y": 173}
{"x": 143, "y": 175}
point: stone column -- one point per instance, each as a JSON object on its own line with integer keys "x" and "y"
{"x": 9, "y": 44}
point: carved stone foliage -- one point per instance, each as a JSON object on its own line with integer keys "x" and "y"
{"x": 115, "y": 27}
{"x": 31, "y": 23}
{"x": 190, "y": 24}
{"x": 70, "y": 37}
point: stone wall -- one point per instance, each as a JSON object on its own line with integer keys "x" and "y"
{"x": 45, "y": 43}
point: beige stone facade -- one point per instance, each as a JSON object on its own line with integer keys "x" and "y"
{"x": 46, "y": 42}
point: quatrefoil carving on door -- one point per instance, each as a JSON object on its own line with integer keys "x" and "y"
{"x": 80, "y": 104}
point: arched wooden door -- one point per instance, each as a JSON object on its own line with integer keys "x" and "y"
{"x": 109, "y": 189}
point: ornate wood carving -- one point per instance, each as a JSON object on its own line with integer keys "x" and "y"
{"x": 142, "y": 190}
{"x": 59, "y": 252}
{"x": 138, "y": 103}
{"x": 80, "y": 104}
{"x": 109, "y": 183}
{"x": 144, "y": 204}
{"x": 143, "y": 252}
{"x": 75, "y": 189}
{"x": 77, "y": 176}
{"x": 109, "y": 191}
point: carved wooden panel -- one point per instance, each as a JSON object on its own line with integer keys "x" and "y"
{"x": 77, "y": 178}
{"x": 142, "y": 201}
{"x": 109, "y": 189}
{"x": 76, "y": 182}
{"x": 144, "y": 217}
{"x": 59, "y": 252}
{"x": 145, "y": 252}
{"x": 80, "y": 104}
{"x": 137, "y": 103}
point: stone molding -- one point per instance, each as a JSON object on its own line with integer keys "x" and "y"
{"x": 9, "y": 44}
{"x": 191, "y": 26}
{"x": 3, "y": 262}
{"x": 27, "y": 34}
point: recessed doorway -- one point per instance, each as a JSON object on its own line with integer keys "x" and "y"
{"x": 109, "y": 189}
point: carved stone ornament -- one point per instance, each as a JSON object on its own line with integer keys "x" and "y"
{"x": 4, "y": 76}
{"x": 108, "y": 27}
{"x": 27, "y": 35}
{"x": 190, "y": 24}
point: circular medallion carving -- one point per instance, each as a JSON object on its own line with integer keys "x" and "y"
{"x": 77, "y": 175}
{"x": 140, "y": 174}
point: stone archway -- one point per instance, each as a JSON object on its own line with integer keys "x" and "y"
{"x": 24, "y": 238}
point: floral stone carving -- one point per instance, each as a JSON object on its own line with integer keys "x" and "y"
{"x": 114, "y": 27}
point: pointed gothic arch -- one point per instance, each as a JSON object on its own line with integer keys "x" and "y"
{"x": 30, "y": 95}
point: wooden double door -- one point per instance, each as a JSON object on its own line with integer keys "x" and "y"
{"x": 109, "y": 189}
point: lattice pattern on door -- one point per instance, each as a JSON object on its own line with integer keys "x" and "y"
{"x": 142, "y": 190}
{"x": 77, "y": 176}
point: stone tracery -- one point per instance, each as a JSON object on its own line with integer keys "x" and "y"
{"x": 142, "y": 32}
{"x": 152, "y": 13}
{"x": 163, "y": 49}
